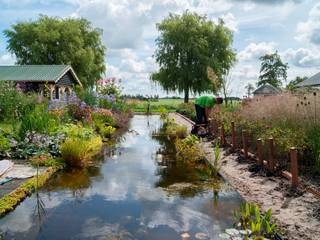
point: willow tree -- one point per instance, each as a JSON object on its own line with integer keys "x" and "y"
{"x": 50, "y": 40}
{"x": 187, "y": 45}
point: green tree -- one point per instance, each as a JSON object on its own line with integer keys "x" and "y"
{"x": 273, "y": 71}
{"x": 188, "y": 45}
{"x": 292, "y": 85}
{"x": 249, "y": 87}
{"x": 50, "y": 40}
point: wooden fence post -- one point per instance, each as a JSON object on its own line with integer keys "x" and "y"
{"x": 260, "y": 154}
{"x": 294, "y": 167}
{"x": 233, "y": 132}
{"x": 222, "y": 136}
{"x": 271, "y": 155}
{"x": 245, "y": 143}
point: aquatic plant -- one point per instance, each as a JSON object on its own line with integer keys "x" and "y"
{"x": 78, "y": 152}
{"x": 188, "y": 149}
{"x": 250, "y": 219}
{"x": 215, "y": 166}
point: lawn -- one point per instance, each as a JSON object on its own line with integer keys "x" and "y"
{"x": 169, "y": 104}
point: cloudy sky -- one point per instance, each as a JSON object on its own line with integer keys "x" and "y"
{"x": 260, "y": 26}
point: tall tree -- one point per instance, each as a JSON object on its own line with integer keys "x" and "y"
{"x": 51, "y": 40}
{"x": 249, "y": 87}
{"x": 292, "y": 85}
{"x": 188, "y": 44}
{"x": 273, "y": 71}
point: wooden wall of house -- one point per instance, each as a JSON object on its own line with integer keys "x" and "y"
{"x": 67, "y": 80}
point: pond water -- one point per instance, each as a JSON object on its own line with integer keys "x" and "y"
{"x": 135, "y": 191}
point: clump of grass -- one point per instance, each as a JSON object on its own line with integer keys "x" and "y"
{"x": 175, "y": 130}
{"x": 46, "y": 160}
{"x": 77, "y": 152}
{"x": 188, "y": 149}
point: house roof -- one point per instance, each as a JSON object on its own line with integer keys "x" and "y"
{"x": 35, "y": 73}
{"x": 311, "y": 82}
{"x": 266, "y": 89}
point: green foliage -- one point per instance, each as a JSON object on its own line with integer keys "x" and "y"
{"x": 105, "y": 130}
{"x": 4, "y": 143}
{"x": 187, "y": 46}
{"x": 292, "y": 85}
{"x": 87, "y": 95}
{"x": 47, "y": 161}
{"x": 38, "y": 120}
{"x": 189, "y": 150}
{"x": 78, "y": 152}
{"x": 50, "y": 40}
{"x": 188, "y": 110}
{"x": 273, "y": 71}
{"x": 251, "y": 219}
{"x": 175, "y": 130}
{"x": 14, "y": 104}
{"x": 215, "y": 167}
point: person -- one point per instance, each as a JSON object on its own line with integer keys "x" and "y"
{"x": 203, "y": 106}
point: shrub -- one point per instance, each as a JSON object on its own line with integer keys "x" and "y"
{"x": 14, "y": 103}
{"x": 39, "y": 120}
{"x": 104, "y": 130}
{"x": 188, "y": 149}
{"x": 188, "y": 110}
{"x": 4, "y": 145}
{"x": 87, "y": 96}
{"x": 77, "y": 152}
{"x": 101, "y": 115}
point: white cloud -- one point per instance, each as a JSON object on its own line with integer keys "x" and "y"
{"x": 230, "y": 21}
{"x": 310, "y": 29}
{"x": 303, "y": 57}
{"x": 7, "y": 59}
{"x": 255, "y": 50}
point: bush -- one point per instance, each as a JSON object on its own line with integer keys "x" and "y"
{"x": 87, "y": 96}
{"x": 188, "y": 110}
{"x": 39, "y": 120}
{"x": 77, "y": 152}
{"x": 104, "y": 130}
{"x": 175, "y": 130}
{"x": 188, "y": 149}
{"x": 13, "y": 103}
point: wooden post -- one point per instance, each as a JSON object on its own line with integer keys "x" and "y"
{"x": 245, "y": 143}
{"x": 294, "y": 167}
{"x": 260, "y": 154}
{"x": 222, "y": 136}
{"x": 233, "y": 132}
{"x": 271, "y": 155}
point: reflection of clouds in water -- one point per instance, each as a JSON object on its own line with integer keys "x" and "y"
{"x": 20, "y": 220}
{"x": 180, "y": 218}
{"x": 95, "y": 228}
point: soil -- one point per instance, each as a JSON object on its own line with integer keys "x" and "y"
{"x": 296, "y": 211}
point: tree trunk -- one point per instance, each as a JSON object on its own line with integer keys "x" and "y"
{"x": 186, "y": 95}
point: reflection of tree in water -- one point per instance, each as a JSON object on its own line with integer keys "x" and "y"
{"x": 177, "y": 177}
{"x": 76, "y": 180}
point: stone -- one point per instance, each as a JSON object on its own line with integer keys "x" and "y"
{"x": 232, "y": 232}
{"x": 201, "y": 236}
{"x": 185, "y": 235}
{"x": 224, "y": 236}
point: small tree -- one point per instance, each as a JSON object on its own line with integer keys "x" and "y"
{"x": 292, "y": 85}
{"x": 188, "y": 44}
{"x": 273, "y": 71}
{"x": 249, "y": 87}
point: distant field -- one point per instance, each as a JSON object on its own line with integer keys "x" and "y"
{"x": 155, "y": 106}
{"x": 169, "y": 104}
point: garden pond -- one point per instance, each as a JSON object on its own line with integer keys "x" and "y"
{"x": 136, "y": 190}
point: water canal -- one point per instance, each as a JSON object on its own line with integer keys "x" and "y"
{"x": 136, "y": 191}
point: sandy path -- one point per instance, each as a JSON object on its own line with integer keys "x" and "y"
{"x": 292, "y": 211}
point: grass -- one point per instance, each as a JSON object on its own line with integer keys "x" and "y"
{"x": 155, "y": 106}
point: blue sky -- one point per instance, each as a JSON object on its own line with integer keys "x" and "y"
{"x": 260, "y": 26}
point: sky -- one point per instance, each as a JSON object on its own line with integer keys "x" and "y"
{"x": 291, "y": 27}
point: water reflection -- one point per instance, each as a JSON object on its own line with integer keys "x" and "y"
{"x": 135, "y": 191}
